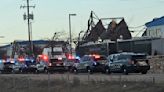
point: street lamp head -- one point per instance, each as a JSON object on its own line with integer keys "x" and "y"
{"x": 132, "y": 31}
{"x": 81, "y": 31}
{"x": 72, "y": 14}
{"x": 2, "y": 36}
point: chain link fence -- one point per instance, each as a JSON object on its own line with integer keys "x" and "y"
{"x": 157, "y": 64}
{"x": 79, "y": 83}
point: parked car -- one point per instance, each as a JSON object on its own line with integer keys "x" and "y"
{"x": 56, "y": 65}
{"x": 90, "y": 64}
{"x": 29, "y": 66}
{"x": 42, "y": 66}
{"x": 1, "y": 65}
{"x": 69, "y": 63}
{"x": 12, "y": 66}
{"x": 127, "y": 63}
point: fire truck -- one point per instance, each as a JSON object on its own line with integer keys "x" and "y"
{"x": 56, "y": 57}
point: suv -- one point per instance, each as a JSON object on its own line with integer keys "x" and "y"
{"x": 69, "y": 63}
{"x": 30, "y": 66}
{"x": 127, "y": 63}
{"x": 90, "y": 64}
{"x": 11, "y": 67}
{"x": 56, "y": 65}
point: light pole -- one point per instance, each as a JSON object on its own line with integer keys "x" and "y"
{"x": 70, "y": 34}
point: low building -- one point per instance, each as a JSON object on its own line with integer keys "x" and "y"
{"x": 155, "y": 28}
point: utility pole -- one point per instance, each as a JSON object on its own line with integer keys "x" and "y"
{"x": 70, "y": 33}
{"x": 29, "y": 16}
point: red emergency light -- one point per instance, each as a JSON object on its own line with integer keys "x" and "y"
{"x": 21, "y": 59}
{"x": 71, "y": 57}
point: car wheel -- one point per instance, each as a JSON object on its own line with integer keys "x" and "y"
{"x": 12, "y": 71}
{"x": 75, "y": 71}
{"x": 21, "y": 71}
{"x": 107, "y": 71}
{"x": 36, "y": 71}
{"x": 125, "y": 71}
{"x": 69, "y": 69}
{"x": 144, "y": 72}
{"x": 89, "y": 70}
{"x": 45, "y": 70}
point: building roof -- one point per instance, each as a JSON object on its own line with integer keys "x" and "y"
{"x": 95, "y": 32}
{"x": 34, "y": 42}
{"x": 26, "y": 42}
{"x": 4, "y": 46}
{"x": 155, "y": 22}
{"x": 121, "y": 29}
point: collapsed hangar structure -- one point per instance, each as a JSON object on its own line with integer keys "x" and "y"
{"x": 110, "y": 38}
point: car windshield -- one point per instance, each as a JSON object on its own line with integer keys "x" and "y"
{"x": 124, "y": 57}
{"x": 30, "y": 62}
{"x": 101, "y": 58}
{"x": 87, "y": 58}
{"x": 57, "y": 53}
{"x": 131, "y": 57}
{"x": 73, "y": 60}
{"x": 55, "y": 60}
{"x": 139, "y": 57}
{"x": 8, "y": 63}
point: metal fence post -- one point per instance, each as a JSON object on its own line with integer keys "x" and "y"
{"x": 29, "y": 84}
{"x": 48, "y": 82}
{"x": 68, "y": 76}
{"x": 153, "y": 80}
{"x": 13, "y": 84}
{"x": 88, "y": 77}
{"x": 120, "y": 79}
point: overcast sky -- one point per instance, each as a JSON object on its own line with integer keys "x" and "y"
{"x": 52, "y": 15}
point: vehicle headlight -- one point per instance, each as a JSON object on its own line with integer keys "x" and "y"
{"x": 25, "y": 66}
{"x": 33, "y": 66}
{"x": 11, "y": 66}
{"x": 50, "y": 64}
{"x": 65, "y": 64}
{"x": 95, "y": 63}
{"x": 120, "y": 64}
{"x": 76, "y": 65}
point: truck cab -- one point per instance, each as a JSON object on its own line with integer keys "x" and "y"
{"x": 56, "y": 57}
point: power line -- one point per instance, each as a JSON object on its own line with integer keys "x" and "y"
{"x": 137, "y": 27}
{"x": 142, "y": 30}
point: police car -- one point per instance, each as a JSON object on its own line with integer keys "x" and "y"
{"x": 128, "y": 63}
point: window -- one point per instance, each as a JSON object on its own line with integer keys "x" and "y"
{"x": 57, "y": 53}
{"x": 139, "y": 57}
{"x": 115, "y": 57}
{"x": 158, "y": 32}
{"x": 110, "y": 57}
{"x": 124, "y": 57}
{"x": 101, "y": 58}
{"x": 85, "y": 58}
